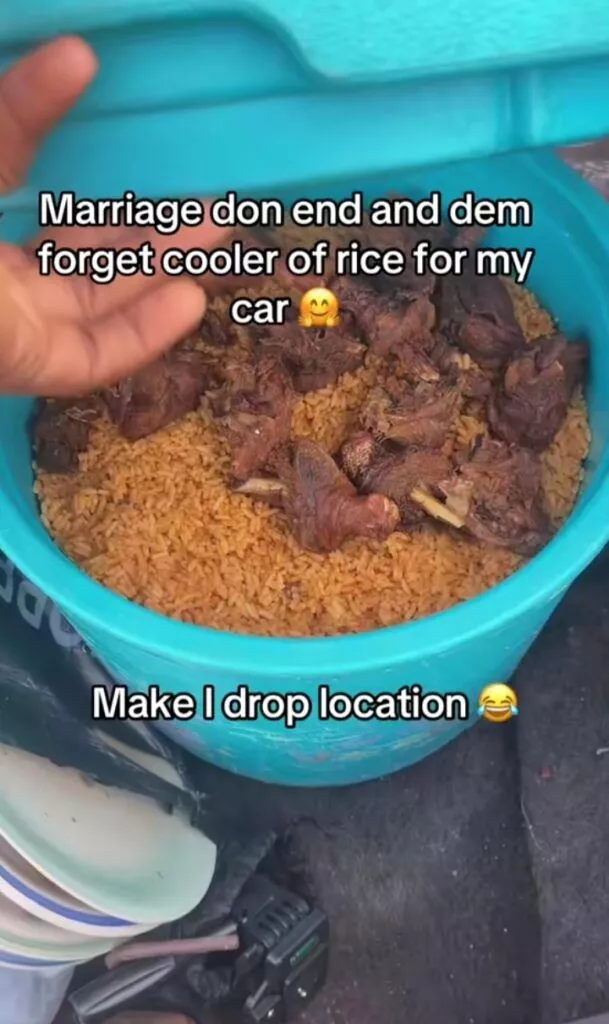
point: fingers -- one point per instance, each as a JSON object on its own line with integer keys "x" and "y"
{"x": 78, "y": 298}
{"x": 75, "y": 297}
{"x": 58, "y": 359}
{"x": 63, "y": 336}
{"x": 134, "y": 335}
{"x": 34, "y": 96}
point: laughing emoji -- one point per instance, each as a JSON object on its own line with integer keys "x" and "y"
{"x": 497, "y": 703}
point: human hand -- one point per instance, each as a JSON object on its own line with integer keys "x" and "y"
{"x": 62, "y": 336}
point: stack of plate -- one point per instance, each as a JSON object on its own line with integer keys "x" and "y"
{"x": 83, "y": 866}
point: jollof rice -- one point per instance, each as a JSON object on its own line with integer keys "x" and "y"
{"x": 156, "y": 522}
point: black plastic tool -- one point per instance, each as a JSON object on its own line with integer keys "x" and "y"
{"x": 280, "y": 966}
{"x": 285, "y": 955}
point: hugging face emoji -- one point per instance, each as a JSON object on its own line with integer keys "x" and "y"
{"x": 319, "y": 308}
{"x": 497, "y": 703}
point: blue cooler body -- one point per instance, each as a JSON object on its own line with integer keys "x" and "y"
{"x": 269, "y": 99}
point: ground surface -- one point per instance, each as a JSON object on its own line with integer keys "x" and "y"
{"x": 473, "y": 888}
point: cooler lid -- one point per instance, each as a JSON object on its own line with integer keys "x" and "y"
{"x": 205, "y": 95}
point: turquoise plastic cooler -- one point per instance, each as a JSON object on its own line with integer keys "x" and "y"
{"x": 314, "y": 98}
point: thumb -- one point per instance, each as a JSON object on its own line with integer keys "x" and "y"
{"x": 34, "y": 96}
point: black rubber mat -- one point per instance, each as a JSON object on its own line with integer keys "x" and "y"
{"x": 473, "y": 888}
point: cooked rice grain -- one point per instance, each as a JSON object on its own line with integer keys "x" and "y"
{"x": 156, "y": 522}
